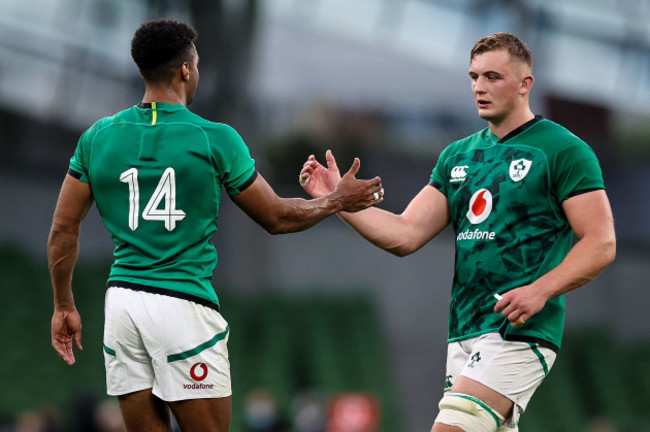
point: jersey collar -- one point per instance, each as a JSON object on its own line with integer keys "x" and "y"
{"x": 520, "y": 129}
{"x": 160, "y": 105}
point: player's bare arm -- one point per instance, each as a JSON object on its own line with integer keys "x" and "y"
{"x": 74, "y": 202}
{"x": 283, "y": 215}
{"x": 425, "y": 217}
{"x": 590, "y": 216}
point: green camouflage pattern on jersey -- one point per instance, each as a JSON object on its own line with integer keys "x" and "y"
{"x": 505, "y": 203}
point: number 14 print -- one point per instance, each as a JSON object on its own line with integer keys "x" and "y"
{"x": 166, "y": 190}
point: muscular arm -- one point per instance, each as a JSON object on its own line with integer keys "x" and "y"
{"x": 74, "y": 202}
{"x": 280, "y": 215}
{"x": 426, "y": 216}
{"x": 590, "y": 216}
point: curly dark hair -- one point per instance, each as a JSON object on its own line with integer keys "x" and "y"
{"x": 503, "y": 41}
{"x": 160, "y": 47}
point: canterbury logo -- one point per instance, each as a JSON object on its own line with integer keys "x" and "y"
{"x": 458, "y": 173}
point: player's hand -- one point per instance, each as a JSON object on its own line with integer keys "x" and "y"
{"x": 317, "y": 180}
{"x": 356, "y": 194}
{"x": 520, "y": 304}
{"x": 66, "y": 326}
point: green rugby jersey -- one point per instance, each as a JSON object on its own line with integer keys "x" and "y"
{"x": 505, "y": 202}
{"x": 156, "y": 173}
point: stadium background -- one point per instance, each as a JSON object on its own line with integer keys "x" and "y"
{"x": 321, "y": 314}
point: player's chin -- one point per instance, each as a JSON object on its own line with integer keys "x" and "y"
{"x": 485, "y": 113}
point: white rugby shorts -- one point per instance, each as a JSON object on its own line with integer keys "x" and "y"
{"x": 511, "y": 368}
{"x": 175, "y": 347}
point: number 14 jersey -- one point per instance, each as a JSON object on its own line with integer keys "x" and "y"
{"x": 156, "y": 172}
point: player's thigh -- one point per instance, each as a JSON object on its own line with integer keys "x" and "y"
{"x": 512, "y": 368}
{"x": 458, "y": 354}
{"x": 441, "y": 427}
{"x": 491, "y": 398}
{"x": 127, "y": 362}
{"x": 498, "y": 372}
{"x": 144, "y": 412}
{"x": 203, "y": 415}
{"x": 189, "y": 352}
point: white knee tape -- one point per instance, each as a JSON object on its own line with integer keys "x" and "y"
{"x": 468, "y": 413}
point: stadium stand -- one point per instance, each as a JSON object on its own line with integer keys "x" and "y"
{"x": 287, "y": 346}
{"x": 290, "y": 346}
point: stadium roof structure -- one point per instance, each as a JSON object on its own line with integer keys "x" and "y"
{"x": 406, "y": 54}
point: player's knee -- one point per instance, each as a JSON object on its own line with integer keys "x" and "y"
{"x": 468, "y": 413}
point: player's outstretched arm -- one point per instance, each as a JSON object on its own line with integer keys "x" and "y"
{"x": 425, "y": 217}
{"x": 74, "y": 202}
{"x": 280, "y": 215}
{"x": 590, "y": 216}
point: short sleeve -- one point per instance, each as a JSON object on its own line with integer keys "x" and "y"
{"x": 438, "y": 177}
{"x": 576, "y": 170}
{"x": 236, "y": 166}
{"x": 79, "y": 161}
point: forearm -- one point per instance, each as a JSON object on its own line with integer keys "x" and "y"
{"x": 62, "y": 251}
{"x": 425, "y": 217}
{"x": 297, "y": 214}
{"x": 279, "y": 215}
{"x": 383, "y": 229}
{"x": 588, "y": 257}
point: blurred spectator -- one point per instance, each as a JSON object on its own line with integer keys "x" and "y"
{"x": 353, "y": 412}
{"x": 30, "y": 421}
{"x": 108, "y": 417}
{"x": 308, "y": 413}
{"x": 260, "y": 413}
{"x": 47, "y": 419}
{"x": 602, "y": 424}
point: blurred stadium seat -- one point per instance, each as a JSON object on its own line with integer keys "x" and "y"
{"x": 296, "y": 345}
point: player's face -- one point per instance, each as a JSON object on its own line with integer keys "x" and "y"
{"x": 194, "y": 77}
{"x": 497, "y": 82}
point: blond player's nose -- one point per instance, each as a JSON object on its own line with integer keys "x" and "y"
{"x": 478, "y": 85}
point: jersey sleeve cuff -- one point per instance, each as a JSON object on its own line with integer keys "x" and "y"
{"x": 582, "y": 191}
{"x": 245, "y": 185}
{"x": 75, "y": 174}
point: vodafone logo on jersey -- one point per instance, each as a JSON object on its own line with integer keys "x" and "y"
{"x": 199, "y": 371}
{"x": 480, "y": 206}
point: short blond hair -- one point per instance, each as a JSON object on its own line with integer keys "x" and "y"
{"x": 503, "y": 41}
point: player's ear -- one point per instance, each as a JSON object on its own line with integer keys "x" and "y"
{"x": 185, "y": 71}
{"x": 526, "y": 84}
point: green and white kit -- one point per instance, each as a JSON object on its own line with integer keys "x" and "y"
{"x": 156, "y": 172}
{"x": 505, "y": 202}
